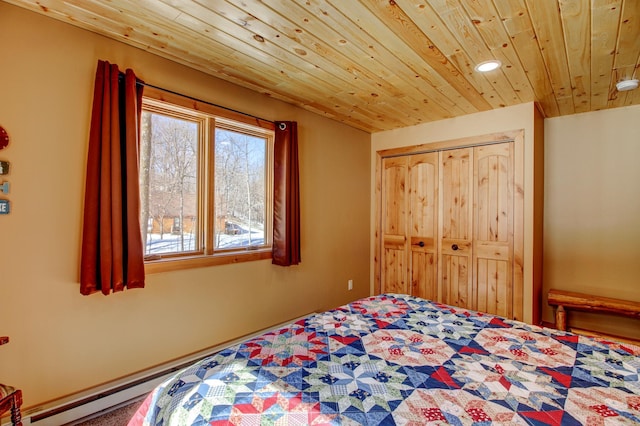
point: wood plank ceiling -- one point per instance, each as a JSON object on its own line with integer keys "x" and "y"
{"x": 383, "y": 64}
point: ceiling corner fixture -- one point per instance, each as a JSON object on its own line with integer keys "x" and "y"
{"x": 487, "y": 66}
{"x": 625, "y": 85}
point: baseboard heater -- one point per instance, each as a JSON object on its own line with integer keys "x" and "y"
{"x": 83, "y": 406}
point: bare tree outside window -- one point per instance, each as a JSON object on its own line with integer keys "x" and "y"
{"x": 169, "y": 168}
{"x": 240, "y": 189}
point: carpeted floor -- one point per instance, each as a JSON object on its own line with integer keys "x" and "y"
{"x": 114, "y": 417}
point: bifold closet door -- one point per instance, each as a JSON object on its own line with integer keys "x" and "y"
{"x": 493, "y": 242}
{"x": 410, "y": 225}
{"x": 394, "y": 253}
{"x": 476, "y": 246}
{"x": 456, "y": 227}
{"x": 423, "y": 225}
{"x": 447, "y": 227}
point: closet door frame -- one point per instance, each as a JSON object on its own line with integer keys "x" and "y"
{"x": 517, "y": 137}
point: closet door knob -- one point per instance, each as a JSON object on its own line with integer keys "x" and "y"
{"x": 454, "y": 246}
{"x": 421, "y": 243}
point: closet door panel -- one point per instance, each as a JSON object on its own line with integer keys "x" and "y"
{"x": 424, "y": 282}
{"x": 493, "y": 296}
{"x": 494, "y": 200}
{"x": 423, "y": 224}
{"x": 456, "y": 280}
{"x": 394, "y": 206}
{"x": 456, "y": 194}
{"x": 456, "y": 222}
{"x": 395, "y": 267}
{"x": 394, "y": 225}
{"x": 493, "y": 229}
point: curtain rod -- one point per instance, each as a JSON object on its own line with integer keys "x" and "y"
{"x": 200, "y": 100}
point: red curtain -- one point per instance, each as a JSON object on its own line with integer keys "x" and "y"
{"x": 112, "y": 250}
{"x": 286, "y": 196}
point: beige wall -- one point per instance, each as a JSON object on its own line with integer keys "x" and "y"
{"x": 62, "y": 342}
{"x": 592, "y": 210}
{"x": 501, "y": 120}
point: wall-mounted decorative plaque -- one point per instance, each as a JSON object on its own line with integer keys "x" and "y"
{"x": 4, "y": 167}
{"x": 4, "y": 138}
{"x": 5, "y": 207}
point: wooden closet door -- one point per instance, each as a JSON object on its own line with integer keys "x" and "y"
{"x": 423, "y": 224}
{"x": 394, "y": 253}
{"x": 455, "y": 245}
{"x": 493, "y": 229}
{"x": 477, "y": 257}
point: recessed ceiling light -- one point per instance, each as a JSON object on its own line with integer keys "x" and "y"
{"x": 487, "y": 66}
{"x": 625, "y": 85}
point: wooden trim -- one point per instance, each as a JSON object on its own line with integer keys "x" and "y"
{"x": 209, "y": 189}
{"x": 472, "y": 223}
{"x": 491, "y": 138}
{"x": 518, "y": 226}
{"x": 176, "y": 264}
{"x": 192, "y": 104}
{"x": 269, "y": 182}
{"x": 439, "y": 281}
{"x": 377, "y": 251}
{"x": 406, "y": 232}
{"x": 538, "y": 216}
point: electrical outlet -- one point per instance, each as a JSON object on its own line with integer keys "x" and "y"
{"x": 350, "y": 285}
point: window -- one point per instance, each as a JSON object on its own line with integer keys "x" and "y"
{"x": 205, "y": 183}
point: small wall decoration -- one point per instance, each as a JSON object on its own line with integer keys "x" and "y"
{"x": 5, "y": 205}
{"x": 4, "y": 138}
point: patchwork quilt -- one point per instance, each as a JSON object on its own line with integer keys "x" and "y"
{"x": 396, "y": 359}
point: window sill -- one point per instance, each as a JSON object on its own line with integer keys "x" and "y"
{"x": 176, "y": 264}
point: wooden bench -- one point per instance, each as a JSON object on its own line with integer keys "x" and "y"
{"x": 585, "y": 302}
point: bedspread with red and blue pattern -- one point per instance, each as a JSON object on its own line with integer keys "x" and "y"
{"x": 396, "y": 359}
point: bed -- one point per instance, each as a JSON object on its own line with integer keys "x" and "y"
{"x": 397, "y": 359}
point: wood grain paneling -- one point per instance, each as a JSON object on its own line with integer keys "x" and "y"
{"x": 423, "y": 224}
{"x": 385, "y": 64}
